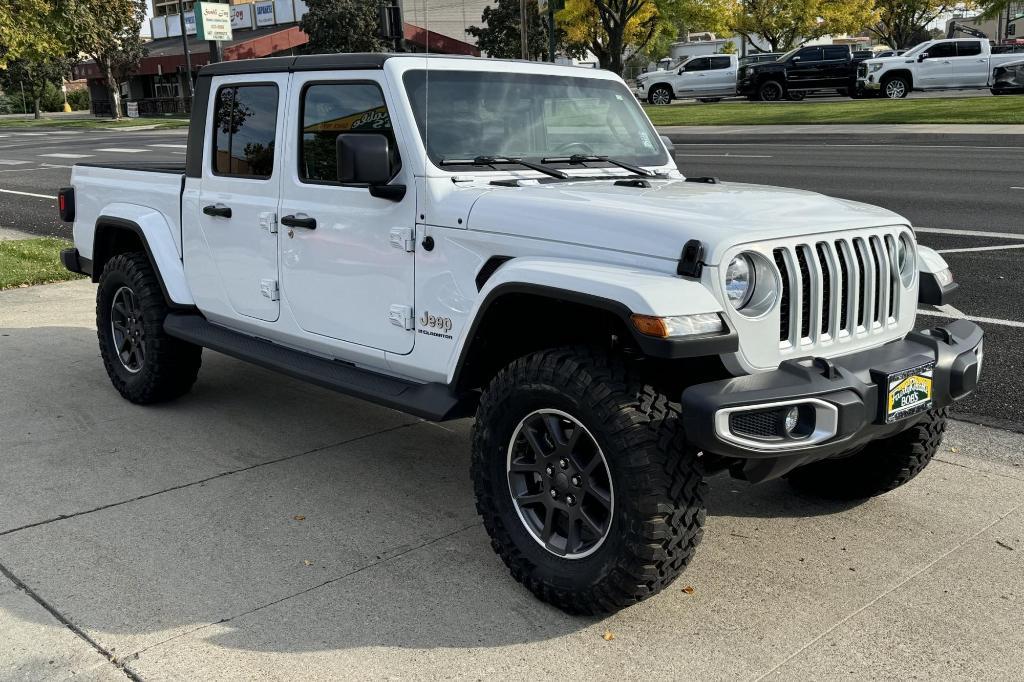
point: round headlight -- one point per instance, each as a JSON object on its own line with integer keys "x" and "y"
{"x": 905, "y": 259}
{"x": 739, "y": 281}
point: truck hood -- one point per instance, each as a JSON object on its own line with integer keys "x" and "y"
{"x": 659, "y": 220}
{"x": 887, "y": 60}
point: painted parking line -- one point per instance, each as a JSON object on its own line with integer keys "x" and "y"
{"x": 1017, "y": 188}
{"x": 27, "y": 194}
{"x": 972, "y": 318}
{"x": 122, "y": 150}
{"x": 969, "y": 233}
{"x": 12, "y": 162}
{"x": 68, "y": 156}
{"x": 981, "y": 248}
{"x": 169, "y": 146}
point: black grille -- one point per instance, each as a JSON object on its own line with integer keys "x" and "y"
{"x": 756, "y": 423}
{"x": 860, "y": 282}
{"x": 780, "y": 263}
{"x": 894, "y": 273}
{"x": 862, "y": 70}
{"x": 826, "y": 281}
{"x": 805, "y": 293}
{"x": 878, "y": 281}
{"x": 845, "y": 296}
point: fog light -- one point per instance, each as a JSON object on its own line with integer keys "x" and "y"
{"x": 791, "y": 420}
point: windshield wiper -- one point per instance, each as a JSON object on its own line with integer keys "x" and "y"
{"x": 507, "y": 160}
{"x": 584, "y": 158}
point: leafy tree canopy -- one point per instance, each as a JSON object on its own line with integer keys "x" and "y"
{"x": 779, "y": 25}
{"x": 500, "y": 37}
{"x": 901, "y": 23}
{"x": 342, "y": 26}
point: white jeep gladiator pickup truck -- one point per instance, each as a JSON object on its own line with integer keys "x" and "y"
{"x": 451, "y": 236}
{"x": 950, "y": 64}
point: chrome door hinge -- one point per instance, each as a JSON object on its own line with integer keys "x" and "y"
{"x": 269, "y": 288}
{"x": 401, "y": 316}
{"x": 268, "y": 222}
{"x": 403, "y": 238}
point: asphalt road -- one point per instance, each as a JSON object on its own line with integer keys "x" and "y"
{"x": 962, "y": 184}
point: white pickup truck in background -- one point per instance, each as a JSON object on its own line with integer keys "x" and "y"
{"x": 708, "y": 78}
{"x": 949, "y": 64}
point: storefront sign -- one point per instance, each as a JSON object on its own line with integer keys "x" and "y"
{"x": 214, "y": 21}
{"x": 241, "y": 16}
{"x": 265, "y": 13}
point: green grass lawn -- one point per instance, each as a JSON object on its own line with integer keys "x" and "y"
{"x": 1006, "y": 109}
{"x": 32, "y": 261}
{"x": 92, "y": 123}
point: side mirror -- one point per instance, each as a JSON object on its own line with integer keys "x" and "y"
{"x": 795, "y": 59}
{"x": 681, "y": 69}
{"x": 921, "y": 57}
{"x": 363, "y": 159}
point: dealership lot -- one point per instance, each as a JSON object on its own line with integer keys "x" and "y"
{"x": 261, "y": 527}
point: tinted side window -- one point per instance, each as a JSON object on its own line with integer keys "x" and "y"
{"x": 720, "y": 63}
{"x": 836, "y": 52}
{"x": 810, "y": 54}
{"x": 968, "y": 48}
{"x": 330, "y": 109}
{"x": 244, "y": 130}
{"x": 697, "y": 65}
{"x": 941, "y": 50}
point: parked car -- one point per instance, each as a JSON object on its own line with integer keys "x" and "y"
{"x": 707, "y": 78}
{"x": 947, "y": 64}
{"x": 1008, "y": 78}
{"x": 512, "y": 240}
{"x": 798, "y": 72}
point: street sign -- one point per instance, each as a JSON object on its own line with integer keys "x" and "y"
{"x": 213, "y": 21}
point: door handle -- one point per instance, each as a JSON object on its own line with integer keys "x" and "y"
{"x": 217, "y": 210}
{"x": 295, "y": 221}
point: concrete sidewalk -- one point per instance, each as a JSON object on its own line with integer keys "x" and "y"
{"x": 263, "y": 528}
{"x": 871, "y": 130}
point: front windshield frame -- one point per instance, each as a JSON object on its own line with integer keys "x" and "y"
{"x": 915, "y": 49}
{"x": 789, "y": 54}
{"x": 613, "y": 91}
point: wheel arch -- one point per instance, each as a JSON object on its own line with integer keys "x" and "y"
{"x": 148, "y": 232}
{"x": 524, "y": 307}
{"x": 661, "y": 84}
{"x": 904, "y": 73}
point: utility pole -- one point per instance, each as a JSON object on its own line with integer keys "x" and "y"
{"x": 524, "y": 31}
{"x": 188, "y": 55}
{"x": 551, "y": 31}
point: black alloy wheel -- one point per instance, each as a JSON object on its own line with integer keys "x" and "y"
{"x": 770, "y": 91}
{"x": 127, "y": 330}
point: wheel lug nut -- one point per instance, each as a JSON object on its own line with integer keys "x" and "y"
{"x": 576, "y": 480}
{"x": 554, "y": 494}
{"x": 570, "y": 500}
{"x": 550, "y": 470}
{"x": 564, "y": 463}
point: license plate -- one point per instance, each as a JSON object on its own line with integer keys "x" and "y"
{"x": 908, "y": 392}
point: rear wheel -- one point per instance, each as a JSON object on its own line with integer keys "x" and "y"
{"x": 796, "y": 96}
{"x": 144, "y": 364}
{"x": 584, "y": 480}
{"x": 660, "y": 94}
{"x": 771, "y": 91}
{"x": 882, "y": 466}
{"x": 896, "y": 87}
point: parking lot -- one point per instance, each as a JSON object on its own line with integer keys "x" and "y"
{"x": 265, "y": 528}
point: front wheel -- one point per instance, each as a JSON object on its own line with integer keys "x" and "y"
{"x": 896, "y": 87}
{"x": 144, "y": 364}
{"x": 584, "y": 480}
{"x": 660, "y": 94}
{"x": 881, "y": 466}
{"x": 771, "y": 91}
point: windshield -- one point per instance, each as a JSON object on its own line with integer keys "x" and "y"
{"x": 531, "y": 116}
{"x": 917, "y": 48}
{"x": 788, "y": 54}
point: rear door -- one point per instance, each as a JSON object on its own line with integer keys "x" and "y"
{"x": 804, "y": 69}
{"x": 837, "y": 68}
{"x": 347, "y": 259}
{"x": 937, "y": 70}
{"x": 970, "y": 66}
{"x": 722, "y": 76}
{"x": 238, "y": 196}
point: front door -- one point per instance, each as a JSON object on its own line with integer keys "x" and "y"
{"x": 804, "y": 69}
{"x": 347, "y": 256}
{"x": 693, "y": 81}
{"x": 238, "y": 196}
{"x": 937, "y": 70}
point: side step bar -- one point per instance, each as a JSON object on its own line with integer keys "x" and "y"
{"x": 434, "y": 402}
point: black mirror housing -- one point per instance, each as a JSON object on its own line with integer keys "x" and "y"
{"x": 363, "y": 159}
{"x": 921, "y": 57}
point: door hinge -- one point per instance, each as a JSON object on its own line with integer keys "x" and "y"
{"x": 268, "y": 222}
{"x": 401, "y": 316}
{"x": 403, "y": 238}
{"x": 269, "y": 288}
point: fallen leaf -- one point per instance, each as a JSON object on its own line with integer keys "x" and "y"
{"x": 608, "y": 636}
{"x": 688, "y": 589}
{"x": 953, "y": 450}
{"x": 299, "y": 517}
{"x": 307, "y": 562}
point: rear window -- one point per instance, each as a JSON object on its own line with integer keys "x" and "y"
{"x": 720, "y": 63}
{"x": 836, "y": 52}
{"x": 968, "y": 48}
{"x": 244, "y": 131}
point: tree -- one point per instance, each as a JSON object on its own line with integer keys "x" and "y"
{"x": 901, "y": 23}
{"x": 32, "y": 29}
{"x": 612, "y": 28}
{"x": 500, "y": 38}
{"x": 342, "y": 26}
{"x": 108, "y": 31}
{"x": 35, "y": 76}
{"x": 780, "y": 25}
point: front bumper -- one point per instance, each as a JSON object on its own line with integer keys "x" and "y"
{"x": 869, "y": 83}
{"x": 847, "y": 392}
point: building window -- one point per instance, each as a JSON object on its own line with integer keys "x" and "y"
{"x": 244, "y": 131}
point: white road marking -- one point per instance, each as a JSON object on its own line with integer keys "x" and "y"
{"x": 733, "y": 156}
{"x": 29, "y": 134}
{"x": 972, "y": 318}
{"x": 981, "y": 248}
{"x": 1017, "y": 188}
{"x": 27, "y": 194}
{"x": 27, "y": 170}
{"x": 172, "y": 146}
{"x": 122, "y": 150}
{"x": 12, "y": 162}
{"x": 969, "y": 233}
{"x": 52, "y": 165}
{"x": 68, "y": 156}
